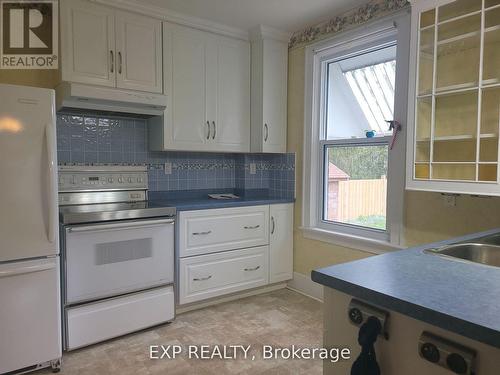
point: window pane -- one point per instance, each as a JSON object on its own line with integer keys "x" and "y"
{"x": 356, "y": 185}
{"x": 360, "y": 94}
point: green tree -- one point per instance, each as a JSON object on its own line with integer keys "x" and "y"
{"x": 360, "y": 162}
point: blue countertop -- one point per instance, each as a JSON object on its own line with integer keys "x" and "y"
{"x": 199, "y": 199}
{"x": 460, "y": 297}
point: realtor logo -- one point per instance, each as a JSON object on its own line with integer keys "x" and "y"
{"x": 29, "y": 37}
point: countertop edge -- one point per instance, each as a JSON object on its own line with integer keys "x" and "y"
{"x": 459, "y": 326}
{"x": 225, "y": 204}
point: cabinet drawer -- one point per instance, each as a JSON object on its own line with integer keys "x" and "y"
{"x": 88, "y": 324}
{"x": 215, "y": 230}
{"x": 207, "y": 276}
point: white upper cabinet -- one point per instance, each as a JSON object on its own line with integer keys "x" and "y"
{"x": 107, "y": 47}
{"x": 88, "y": 43}
{"x": 233, "y": 95}
{"x": 185, "y": 121}
{"x": 454, "y": 107}
{"x": 269, "y": 91}
{"x": 139, "y": 54}
{"x": 207, "y": 78}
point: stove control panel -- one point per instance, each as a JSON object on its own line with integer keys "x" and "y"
{"x": 91, "y": 178}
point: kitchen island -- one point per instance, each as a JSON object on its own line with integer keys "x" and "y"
{"x": 456, "y": 300}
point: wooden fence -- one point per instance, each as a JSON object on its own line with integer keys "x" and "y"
{"x": 361, "y": 198}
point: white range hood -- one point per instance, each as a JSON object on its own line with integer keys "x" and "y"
{"x": 79, "y": 96}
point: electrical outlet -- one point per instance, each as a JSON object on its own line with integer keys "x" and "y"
{"x": 168, "y": 168}
{"x": 253, "y": 168}
{"x": 450, "y": 200}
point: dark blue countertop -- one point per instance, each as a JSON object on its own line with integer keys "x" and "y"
{"x": 199, "y": 199}
{"x": 460, "y": 297}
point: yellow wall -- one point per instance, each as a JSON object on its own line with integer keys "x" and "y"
{"x": 38, "y": 78}
{"x": 427, "y": 219}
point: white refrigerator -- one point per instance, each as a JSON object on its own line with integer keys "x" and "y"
{"x": 30, "y": 317}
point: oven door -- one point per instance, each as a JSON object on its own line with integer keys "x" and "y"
{"x": 103, "y": 260}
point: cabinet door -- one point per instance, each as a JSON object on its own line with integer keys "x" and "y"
{"x": 281, "y": 243}
{"x": 275, "y": 60}
{"x": 232, "y": 128}
{"x": 186, "y": 125}
{"x": 454, "y": 99}
{"x": 138, "y": 53}
{"x": 88, "y": 43}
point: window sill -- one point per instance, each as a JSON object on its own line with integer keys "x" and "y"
{"x": 353, "y": 242}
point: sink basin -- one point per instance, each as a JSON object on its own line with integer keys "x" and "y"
{"x": 493, "y": 239}
{"x": 483, "y": 253}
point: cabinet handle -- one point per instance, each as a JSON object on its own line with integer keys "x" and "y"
{"x": 252, "y": 269}
{"x": 273, "y": 225}
{"x": 202, "y": 278}
{"x": 251, "y": 226}
{"x": 112, "y": 55}
{"x": 119, "y": 62}
{"x": 208, "y": 128}
{"x": 267, "y": 132}
{"x": 215, "y": 130}
{"x": 201, "y": 233}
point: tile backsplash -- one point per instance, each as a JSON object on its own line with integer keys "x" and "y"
{"x": 114, "y": 140}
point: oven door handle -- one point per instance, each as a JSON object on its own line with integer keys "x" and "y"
{"x": 124, "y": 225}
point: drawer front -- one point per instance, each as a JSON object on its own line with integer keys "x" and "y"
{"x": 88, "y": 324}
{"x": 207, "y": 276}
{"x": 210, "y": 231}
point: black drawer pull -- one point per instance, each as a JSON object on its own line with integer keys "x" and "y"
{"x": 252, "y": 269}
{"x": 201, "y": 233}
{"x": 252, "y": 226}
{"x": 202, "y": 278}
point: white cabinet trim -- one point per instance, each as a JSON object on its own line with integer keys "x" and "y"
{"x": 176, "y": 17}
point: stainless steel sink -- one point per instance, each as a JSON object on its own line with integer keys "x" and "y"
{"x": 483, "y": 253}
{"x": 493, "y": 239}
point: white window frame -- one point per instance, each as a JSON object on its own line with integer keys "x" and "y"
{"x": 395, "y": 28}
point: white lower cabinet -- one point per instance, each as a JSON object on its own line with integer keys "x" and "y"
{"x": 229, "y": 250}
{"x": 212, "y": 275}
{"x": 281, "y": 243}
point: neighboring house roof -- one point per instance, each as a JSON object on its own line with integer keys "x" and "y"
{"x": 335, "y": 173}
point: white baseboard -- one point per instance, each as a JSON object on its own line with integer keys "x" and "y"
{"x": 229, "y": 298}
{"x": 304, "y": 285}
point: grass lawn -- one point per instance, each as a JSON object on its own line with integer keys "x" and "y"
{"x": 373, "y": 221}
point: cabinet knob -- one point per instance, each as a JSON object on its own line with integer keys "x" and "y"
{"x": 208, "y": 129}
{"x": 215, "y": 130}
{"x": 273, "y": 225}
{"x": 266, "y": 135}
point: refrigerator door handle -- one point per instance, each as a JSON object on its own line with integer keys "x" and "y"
{"x": 26, "y": 269}
{"x": 51, "y": 151}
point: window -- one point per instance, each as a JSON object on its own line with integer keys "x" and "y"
{"x": 359, "y": 99}
{"x": 355, "y": 185}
